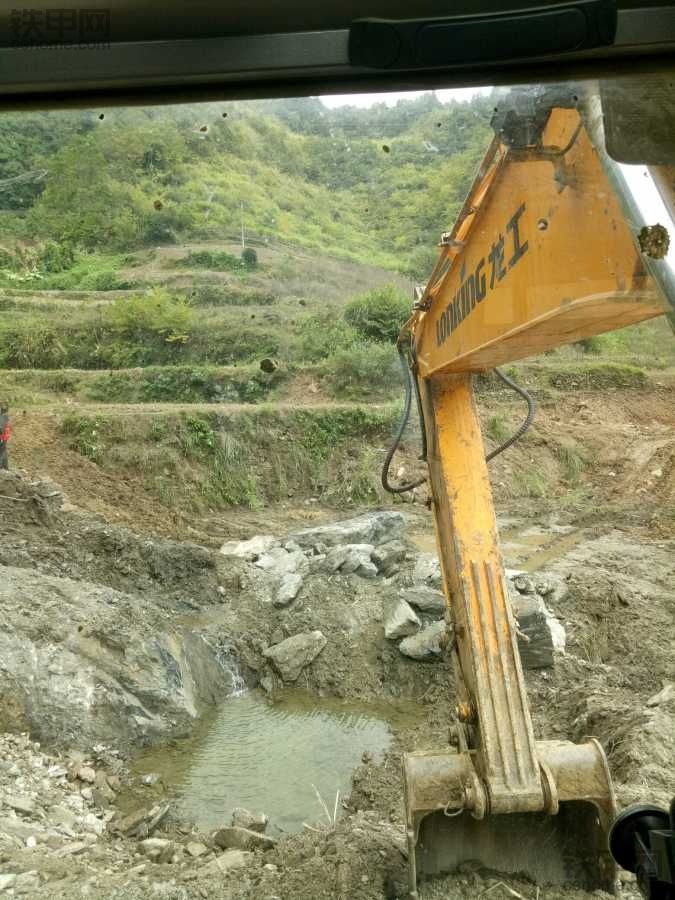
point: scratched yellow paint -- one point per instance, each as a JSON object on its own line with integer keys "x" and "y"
{"x": 547, "y": 259}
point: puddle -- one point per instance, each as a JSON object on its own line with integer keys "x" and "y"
{"x": 267, "y": 757}
{"x": 532, "y": 550}
{"x": 529, "y": 550}
{"x": 424, "y": 541}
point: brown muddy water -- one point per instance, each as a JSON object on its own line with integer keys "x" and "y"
{"x": 526, "y": 548}
{"x": 272, "y": 757}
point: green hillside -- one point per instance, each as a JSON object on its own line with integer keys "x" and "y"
{"x": 375, "y": 185}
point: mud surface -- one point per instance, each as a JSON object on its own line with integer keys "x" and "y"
{"x": 114, "y": 640}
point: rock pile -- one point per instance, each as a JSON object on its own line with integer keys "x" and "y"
{"x": 366, "y": 546}
{"x": 57, "y": 805}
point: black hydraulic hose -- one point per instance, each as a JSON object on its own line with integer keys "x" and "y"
{"x": 420, "y": 409}
{"x": 405, "y": 415}
{"x": 408, "y": 381}
{"x": 531, "y": 409}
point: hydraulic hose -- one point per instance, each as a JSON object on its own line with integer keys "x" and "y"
{"x": 405, "y": 415}
{"x": 408, "y": 382}
{"x": 531, "y": 409}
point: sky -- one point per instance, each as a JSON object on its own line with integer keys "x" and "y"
{"x": 390, "y": 98}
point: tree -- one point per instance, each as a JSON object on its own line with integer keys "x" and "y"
{"x": 81, "y": 204}
{"x": 249, "y": 258}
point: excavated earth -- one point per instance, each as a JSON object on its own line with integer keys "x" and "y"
{"x": 114, "y": 641}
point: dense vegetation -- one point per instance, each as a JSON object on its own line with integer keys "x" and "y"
{"x": 375, "y": 184}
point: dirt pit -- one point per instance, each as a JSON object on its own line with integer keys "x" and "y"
{"x": 126, "y": 655}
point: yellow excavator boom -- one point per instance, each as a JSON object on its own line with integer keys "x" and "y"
{"x": 550, "y": 247}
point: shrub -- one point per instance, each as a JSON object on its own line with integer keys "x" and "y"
{"x": 323, "y": 334}
{"x": 379, "y": 314}
{"x": 226, "y": 295}
{"x": 249, "y": 258}
{"x": 54, "y": 257}
{"x": 155, "y": 315}
{"x": 363, "y": 370}
{"x": 592, "y": 345}
{"x": 89, "y": 272}
{"x": 216, "y": 260}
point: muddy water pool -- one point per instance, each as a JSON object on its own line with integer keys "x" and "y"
{"x": 271, "y": 757}
{"x": 524, "y": 547}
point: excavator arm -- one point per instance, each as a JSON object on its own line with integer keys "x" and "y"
{"x": 550, "y": 247}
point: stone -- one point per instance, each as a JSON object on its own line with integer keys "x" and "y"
{"x": 331, "y": 561}
{"x": 280, "y": 562}
{"x": 540, "y": 633}
{"x": 150, "y": 779}
{"x": 157, "y": 849}
{"x": 544, "y": 587}
{"x": 524, "y": 584}
{"x": 249, "y": 550}
{"x": 288, "y": 589}
{"x": 426, "y": 599}
{"x": 665, "y": 695}
{"x": 103, "y": 795}
{"x": 372, "y": 528}
{"x": 399, "y": 618}
{"x": 244, "y": 818}
{"x": 426, "y": 644}
{"x": 291, "y": 656}
{"x": 357, "y": 560}
{"x": 93, "y": 824}
{"x": 142, "y": 822}
{"x": 427, "y": 570}
{"x": 72, "y": 849}
{"x": 16, "y": 827}
{"x": 23, "y": 805}
{"x": 61, "y": 815}
{"x": 196, "y": 849}
{"x": 237, "y": 838}
{"x": 7, "y": 881}
{"x": 230, "y": 860}
{"x": 86, "y": 774}
{"x": 388, "y": 556}
{"x": 26, "y": 883}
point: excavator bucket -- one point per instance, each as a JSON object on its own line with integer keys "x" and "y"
{"x": 566, "y": 846}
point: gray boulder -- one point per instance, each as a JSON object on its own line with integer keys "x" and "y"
{"x": 358, "y": 561}
{"x": 251, "y": 549}
{"x": 427, "y": 599}
{"x": 85, "y": 664}
{"x": 541, "y": 634}
{"x": 427, "y": 571}
{"x": 237, "y": 838}
{"x": 524, "y": 584}
{"x": 244, "y": 818}
{"x": 291, "y": 656}
{"x": 347, "y": 559}
{"x": 399, "y": 618}
{"x": 372, "y": 528}
{"x": 388, "y": 556}
{"x": 278, "y": 561}
{"x": 426, "y": 644}
{"x": 288, "y": 589}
